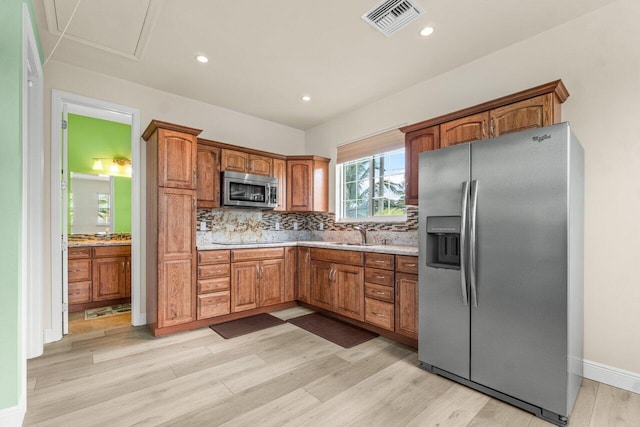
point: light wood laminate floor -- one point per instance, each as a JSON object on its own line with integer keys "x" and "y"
{"x": 282, "y": 376}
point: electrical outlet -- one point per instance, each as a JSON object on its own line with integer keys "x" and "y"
{"x": 277, "y": 226}
{"x": 321, "y": 226}
{"x": 203, "y": 225}
{"x": 295, "y": 225}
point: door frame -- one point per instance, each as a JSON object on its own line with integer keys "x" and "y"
{"x": 112, "y": 112}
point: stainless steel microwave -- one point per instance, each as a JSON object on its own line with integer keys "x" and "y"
{"x": 245, "y": 190}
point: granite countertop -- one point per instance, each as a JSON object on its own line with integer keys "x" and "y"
{"x": 91, "y": 242}
{"x": 384, "y": 249}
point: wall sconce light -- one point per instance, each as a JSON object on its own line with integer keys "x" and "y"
{"x": 97, "y": 165}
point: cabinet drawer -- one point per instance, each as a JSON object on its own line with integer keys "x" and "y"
{"x": 111, "y": 251}
{"x": 75, "y": 253}
{"x": 256, "y": 254}
{"x": 379, "y": 292}
{"x": 79, "y": 292}
{"x": 407, "y": 264}
{"x": 213, "y": 285}
{"x": 378, "y": 313}
{"x": 213, "y": 257}
{"x": 338, "y": 256}
{"x": 211, "y": 305}
{"x": 384, "y": 261}
{"x": 375, "y": 275}
{"x": 79, "y": 270}
{"x": 213, "y": 271}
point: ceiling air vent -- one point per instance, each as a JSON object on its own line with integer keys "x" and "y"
{"x": 391, "y": 15}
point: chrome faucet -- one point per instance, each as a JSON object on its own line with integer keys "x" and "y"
{"x": 363, "y": 233}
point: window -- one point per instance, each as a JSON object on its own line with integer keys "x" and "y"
{"x": 104, "y": 209}
{"x": 373, "y": 187}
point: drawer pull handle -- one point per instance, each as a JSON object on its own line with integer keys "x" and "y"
{"x": 410, "y": 265}
{"x": 379, "y": 277}
{"x": 378, "y": 314}
{"x": 379, "y": 292}
{"x": 380, "y": 261}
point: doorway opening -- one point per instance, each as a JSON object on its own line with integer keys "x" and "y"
{"x": 96, "y": 205}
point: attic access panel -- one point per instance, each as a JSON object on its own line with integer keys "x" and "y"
{"x": 116, "y": 26}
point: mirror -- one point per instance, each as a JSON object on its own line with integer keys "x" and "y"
{"x": 99, "y": 204}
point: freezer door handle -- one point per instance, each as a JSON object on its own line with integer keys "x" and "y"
{"x": 463, "y": 243}
{"x": 473, "y": 230}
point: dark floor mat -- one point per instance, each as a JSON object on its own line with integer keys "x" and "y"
{"x": 236, "y": 328}
{"x": 332, "y": 330}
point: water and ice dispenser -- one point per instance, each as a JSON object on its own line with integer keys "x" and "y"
{"x": 443, "y": 242}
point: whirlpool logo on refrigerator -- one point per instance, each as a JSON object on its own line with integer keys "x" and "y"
{"x": 541, "y": 138}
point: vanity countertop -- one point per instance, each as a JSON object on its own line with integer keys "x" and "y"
{"x": 92, "y": 242}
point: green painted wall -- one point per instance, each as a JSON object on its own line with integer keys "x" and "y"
{"x": 11, "y": 373}
{"x": 90, "y": 138}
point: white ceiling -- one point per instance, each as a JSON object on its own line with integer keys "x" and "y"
{"x": 264, "y": 55}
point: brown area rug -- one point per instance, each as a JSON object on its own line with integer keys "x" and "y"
{"x": 344, "y": 335}
{"x": 236, "y": 328}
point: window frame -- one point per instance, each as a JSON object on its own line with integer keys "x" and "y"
{"x": 370, "y": 218}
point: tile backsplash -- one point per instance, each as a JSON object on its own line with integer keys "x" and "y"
{"x": 243, "y": 225}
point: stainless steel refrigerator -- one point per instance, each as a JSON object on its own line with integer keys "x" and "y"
{"x": 501, "y": 267}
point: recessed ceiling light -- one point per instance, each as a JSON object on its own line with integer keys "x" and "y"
{"x": 202, "y": 58}
{"x": 306, "y": 98}
{"x": 426, "y": 31}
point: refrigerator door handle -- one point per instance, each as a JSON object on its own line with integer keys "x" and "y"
{"x": 463, "y": 243}
{"x": 472, "y": 241}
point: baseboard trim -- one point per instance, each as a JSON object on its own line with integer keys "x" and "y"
{"x": 13, "y": 416}
{"x": 615, "y": 377}
{"x": 51, "y": 336}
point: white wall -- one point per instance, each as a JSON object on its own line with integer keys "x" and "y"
{"x": 217, "y": 123}
{"x": 598, "y": 58}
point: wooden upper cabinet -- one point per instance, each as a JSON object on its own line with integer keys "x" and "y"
{"x": 240, "y": 161}
{"x": 466, "y": 129}
{"x": 280, "y": 172}
{"x": 235, "y": 161}
{"x": 415, "y": 143}
{"x": 307, "y": 184}
{"x": 208, "y": 176}
{"x": 530, "y": 113}
{"x": 177, "y": 154}
{"x": 260, "y": 165}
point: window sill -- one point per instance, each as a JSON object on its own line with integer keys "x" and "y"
{"x": 375, "y": 220}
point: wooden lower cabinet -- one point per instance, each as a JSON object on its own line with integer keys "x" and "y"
{"x": 98, "y": 274}
{"x": 304, "y": 274}
{"x": 214, "y": 304}
{"x": 290, "y": 262}
{"x": 322, "y": 287}
{"x": 349, "y": 285}
{"x": 257, "y": 283}
{"x": 109, "y": 278}
{"x": 379, "y": 313}
{"x": 244, "y": 286}
{"x": 406, "y": 305}
{"x": 176, "y": 302}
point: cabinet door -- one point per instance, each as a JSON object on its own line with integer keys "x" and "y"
{"x": 322, "y": 287}
{"x": 299, "y": 185}
{"x": 208, "y": 168}
{"x": 109, "y": 278}
{"x": 415, "y": 143}
{"x": 127, "y": 277}
{"x": 290, "y": 273}
{"x": 177, "y": 154}
{"x": 407, "y": 305}
{"x": 79, "y": 270}
{"x": 466, "y": 129}
{"x": 280, "y": 172}
{"x": 236, "y": 161}
{"x": 244, "y": 285}
{"x": 304, "y": 274}
{"x": 530, "y": 113}
{"x": 176, "y": 223}
{"x": 260, "y": 165}
{"x": 271, "y": 289}
{"x": 176, "y": 292}
{"x": 349, "y": 282}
